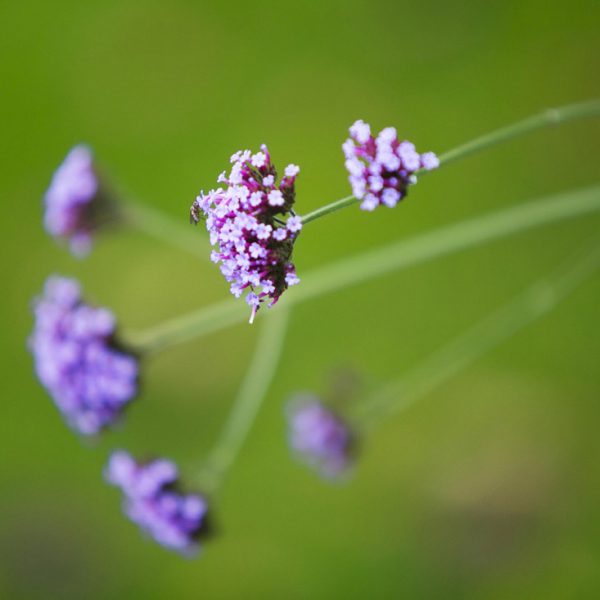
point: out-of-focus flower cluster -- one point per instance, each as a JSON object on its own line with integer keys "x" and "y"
{"x": 74, "y": 204}
{"x": 77, "y": 358}
{"x": 152, "y": 501}
{"x": 382, "y": 168}
{"x": 246, "y": 225}
{"x": 318, "y": 436}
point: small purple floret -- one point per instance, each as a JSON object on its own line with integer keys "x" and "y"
{"x": 381, "y": 169}
{"x": 319, "y": 437}
{"x": 152, "y": 501}
{"x": 246, "y": 225}
{"x": 73, "y": 202}
{"x": 77, "y": 359}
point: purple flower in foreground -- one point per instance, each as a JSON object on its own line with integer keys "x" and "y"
{"x": 77, "y": 359}
{"x": 382, "y": 168}
{"x": 319, "y": 437}
{"x": 254, "y": 245}
{"x": 74, "y": 203}
{"x": 152, "y": 501}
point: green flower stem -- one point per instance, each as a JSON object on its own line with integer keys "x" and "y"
{"x": 547, "y": 118}
{"x": 164, "y": 228}
{"x": 524, "y": 309}
{"x": 329, "y": 208}
{"x": 374, "y": 263}
{"x": 184, "y": 328}
{"x": 251, "y": 394}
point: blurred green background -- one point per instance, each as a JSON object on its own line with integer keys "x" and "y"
{"x": 489, "y": 487}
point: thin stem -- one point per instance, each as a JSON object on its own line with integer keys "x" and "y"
{"x": 547, "y": 118}
{"x": 329, "y": 208}
{"x": 537, "y": 300}
{"x": 161, "y": 226}
{"x": 251, "y": 394}
{"x": 374, "y": 263}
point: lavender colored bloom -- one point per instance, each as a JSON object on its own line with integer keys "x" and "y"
{"x": 381, "y": 169}
{"x": 318, "y": 436}
{"x": 74, "y": 203}
{"x": 253, "y": 244}
{"x": 152, "y": 501}
{"x": 78, "y": 360}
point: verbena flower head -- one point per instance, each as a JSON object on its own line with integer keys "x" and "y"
{"x": 253, "y": 244}
{"x": 75, "y": 204}
{"x": 152, "y": 501}
{"x": 78, "y": 359}
{"x": 381, "y": 168}
{"x": 318, "y": 436}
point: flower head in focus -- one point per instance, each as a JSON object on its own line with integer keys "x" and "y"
{"x": 318, "y": 436}
{"x": 253, "y": 227}
{"x": 381, "y": 168}
{"x": 78, "y": 360}
{"x": 152, "y": 501}
{"x": 75, "y": 205}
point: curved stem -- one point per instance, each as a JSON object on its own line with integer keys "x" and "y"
{"x": 251, "y": 394}
{"x": 549, "y": 117}
{"x": 524, "y": 309}
{"x": 164, "y": 228}
{"x": 374, "y": 263}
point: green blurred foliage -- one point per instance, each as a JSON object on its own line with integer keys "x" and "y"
{"x": 489, "y": 487}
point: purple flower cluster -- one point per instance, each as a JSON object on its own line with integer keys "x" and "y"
{"x": 73, "y": 201}
{"x": 319, "y": 437}
{"x": 77, "y": 359}
{"x": 245, "y": 224}
{"x": 152, "y": 501}
{"x": 382, "y": 168}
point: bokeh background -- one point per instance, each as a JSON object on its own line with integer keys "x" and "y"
{"x": 489, "y": 487}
